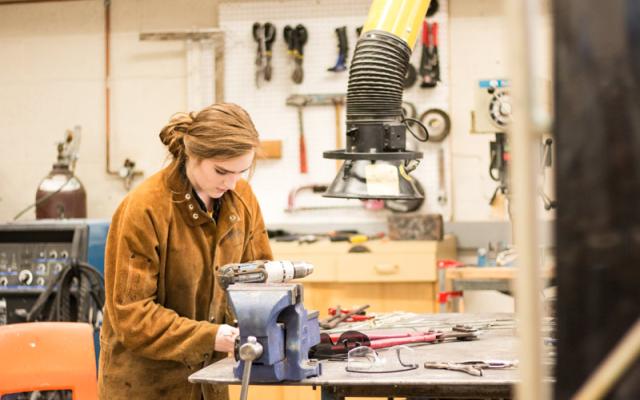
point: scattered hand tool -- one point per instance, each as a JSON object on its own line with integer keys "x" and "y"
{"x": 264, "y": 35}
{"x": 359, "y": 317}
{"x": 353, "y": 237}
{"x": 343, "y": 46}
{"x": 330, "y": 346}
{"x": 429, "y": 62}
{"x": 296, "y": 38}
{"x": 471, "y": 367}
{"x": 333, "y": 321}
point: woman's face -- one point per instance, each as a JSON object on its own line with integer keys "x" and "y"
{"x": 213, "y": 177}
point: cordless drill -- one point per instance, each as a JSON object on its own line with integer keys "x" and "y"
{"x": 263, "y": 271}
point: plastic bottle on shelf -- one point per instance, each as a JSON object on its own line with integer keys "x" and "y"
{"x": 482, "y": 257}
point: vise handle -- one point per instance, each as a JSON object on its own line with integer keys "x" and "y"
{"x": 248, "y": 352}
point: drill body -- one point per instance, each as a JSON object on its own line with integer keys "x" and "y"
{"x": 263, "y": 271}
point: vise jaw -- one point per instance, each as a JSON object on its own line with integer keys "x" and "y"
{"x": 275, "y": 315}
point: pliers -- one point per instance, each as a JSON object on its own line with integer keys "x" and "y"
{"x": 471, "y": 367}
{"x": 339, "y": 316}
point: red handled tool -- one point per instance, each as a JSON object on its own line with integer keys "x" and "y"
{"x": 429, "y": 61}
{"x": 332, "y": 347}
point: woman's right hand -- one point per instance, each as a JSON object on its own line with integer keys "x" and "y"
{"x": 225, "y": 338}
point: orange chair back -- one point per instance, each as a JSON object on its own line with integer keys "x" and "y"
{"x": 39, "y": 356}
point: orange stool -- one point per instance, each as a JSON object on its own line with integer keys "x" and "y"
{"x": 38, "y": 356}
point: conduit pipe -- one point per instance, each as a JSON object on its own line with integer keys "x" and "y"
{"x": 525, "y": 137}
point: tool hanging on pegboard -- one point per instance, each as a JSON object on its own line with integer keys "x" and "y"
{"x": 343, "y": 50}
{"x": 264, "y": 35}
{"x": 430, "y": 61}
{"x": 302, "y": 100}
{"x": 433, "y": 8}
{"x": 296, "y": 38}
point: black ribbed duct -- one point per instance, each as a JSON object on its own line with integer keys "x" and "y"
{"x": 375, "y": 124}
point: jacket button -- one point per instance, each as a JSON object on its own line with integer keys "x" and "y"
{"x": 195, "y": 216}
{"x": 233, "y": 218}
{"x": 190, "y": 206}
{"x": 187, "y": 196}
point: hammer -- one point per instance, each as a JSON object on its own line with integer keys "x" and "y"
{"x": 299, "y": 101}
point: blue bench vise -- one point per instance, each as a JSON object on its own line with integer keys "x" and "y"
{"x": 274, "y": 314}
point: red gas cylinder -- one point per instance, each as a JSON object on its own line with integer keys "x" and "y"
{"x": 61, "y": 195}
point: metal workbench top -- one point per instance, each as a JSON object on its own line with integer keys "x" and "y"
{"x": 496, "y": 341}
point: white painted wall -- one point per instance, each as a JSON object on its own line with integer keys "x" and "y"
{"x": 52, "y": 79}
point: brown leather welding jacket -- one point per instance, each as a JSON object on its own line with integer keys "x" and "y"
{"x": 163, "y": 304}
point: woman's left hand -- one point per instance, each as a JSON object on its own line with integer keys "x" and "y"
{"x": 225, "y": 338}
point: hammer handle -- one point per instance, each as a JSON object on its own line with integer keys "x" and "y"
{"x": 303, "y": 147}
{"x": 303, "y": 155}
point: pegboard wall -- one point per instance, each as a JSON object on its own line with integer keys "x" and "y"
{"x": 274, "y": 179}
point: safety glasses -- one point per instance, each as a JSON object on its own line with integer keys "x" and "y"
{"x": 364, "y": 359}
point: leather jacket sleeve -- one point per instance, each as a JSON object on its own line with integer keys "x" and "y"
{"x": 132, "y": 265}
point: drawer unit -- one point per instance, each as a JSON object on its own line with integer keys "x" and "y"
{"x": 374, "y": 261}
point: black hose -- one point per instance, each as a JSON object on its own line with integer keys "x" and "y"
{"x": 376, "y": 79}
{"x": 60, "y": 301}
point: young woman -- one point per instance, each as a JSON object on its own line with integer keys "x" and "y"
{"x": 165, "y": 314}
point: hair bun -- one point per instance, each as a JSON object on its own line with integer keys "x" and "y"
{"x": 172, "y": 135}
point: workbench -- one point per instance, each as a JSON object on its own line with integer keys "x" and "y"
{"x": 496, "y": 341}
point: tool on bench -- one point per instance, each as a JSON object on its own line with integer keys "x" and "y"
{"x": 353, "y": 237}
{"x": 331, "y": 347}
{"x": 264, "y": 35}
{"x": 296, "y": 38}
{"x": 353, "y": 317}
{"x": 276, "y": 331}
{"x": 429, "y": 62}
{"x": 343, "y": 50}
{"x": 471, "y": 367}
{"x": 333, "y": 320}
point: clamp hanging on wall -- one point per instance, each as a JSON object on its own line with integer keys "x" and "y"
{"x": 296, "y": 38}
{"x": 264, "y": 35}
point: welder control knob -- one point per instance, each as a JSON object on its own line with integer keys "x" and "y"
{"x": 251, "y": 350}
{"x": 25, "y": 277}
{"x": 4, "y": 281}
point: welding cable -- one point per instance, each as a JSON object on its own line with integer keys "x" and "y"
{"x": 55, "y": 303}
